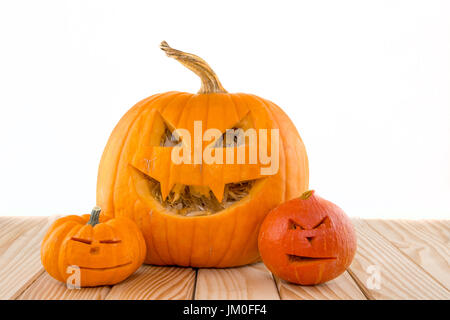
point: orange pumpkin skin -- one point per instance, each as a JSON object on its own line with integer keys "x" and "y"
{"x": 226, "y": 238}
{"x": 106, "y": 253}
{"x": 307, "y": 240}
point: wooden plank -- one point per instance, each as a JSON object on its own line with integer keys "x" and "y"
{"x": 47, "y": 288}
{"x": 341, "y": 288}
{"x": 400, "y": 277}
{"x": 414, "y": 238}
{"x": 413, "y": 258}
{"x": 156, "y": 283}
{"x": 243, "y": 283}
{"x": 12, "y": 227}
{"x": 440, "y": 229}
{"x": 20, "y": 262}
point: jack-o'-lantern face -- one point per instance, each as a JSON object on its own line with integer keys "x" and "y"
{"x": 198, "y": 172}
{"x": 312, "y": 234}
{"x": 307, "y": 240}
{"x": 190, "y": 177}
{"x": 92, "y": 251}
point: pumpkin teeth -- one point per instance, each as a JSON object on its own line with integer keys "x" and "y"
{"x": 218, "y": 190}
{"x": 193, "y": 201}
{"x": 177, "y": 189}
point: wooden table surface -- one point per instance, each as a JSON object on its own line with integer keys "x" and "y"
{"x": 396, "y": 259}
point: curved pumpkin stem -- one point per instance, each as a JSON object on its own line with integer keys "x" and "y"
{"x": 95, "y": 216}
{"x": 306, "y": 194}
{"x": 210, "y": 81}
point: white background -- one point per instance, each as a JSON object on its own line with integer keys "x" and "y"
{"x": 367, "y": 84}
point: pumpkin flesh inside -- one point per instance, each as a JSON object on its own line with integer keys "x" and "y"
{"x": 190, "y": 201}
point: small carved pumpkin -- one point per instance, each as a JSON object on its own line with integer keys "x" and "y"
{"x": 198, "y": 214}
{"x": 100, "y": 250}
{"x": 307, "y": 240}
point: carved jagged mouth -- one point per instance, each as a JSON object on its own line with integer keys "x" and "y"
{"x": 107, "y": 268}
{"x": 302, "y": 259}
{"x": 192, "y": 201}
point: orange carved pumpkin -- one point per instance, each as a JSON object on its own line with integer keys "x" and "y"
{"x": 98, "y": 250}
{"x": 202, "y": 214}
{"x": 307, "y": 240}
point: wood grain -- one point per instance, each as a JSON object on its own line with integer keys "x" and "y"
{"x": 13, "y": 227}
{"x": 341, "y": 288}
{"x": 430, "y": 250}
{"x": 400, "y": 277}
{"x": 242, "y": 283}
{"x": 440, "y": 229}
{"x": 20, "y": 262}
{"x": 47, "y": 288}
{"x": 412, "y": 256}
{"x": 156, "y": 283}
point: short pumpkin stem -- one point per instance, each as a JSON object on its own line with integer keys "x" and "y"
{"x": 210, "y": 81}
{"x": 95, "y": 216}
{"x": 306, "y": 194}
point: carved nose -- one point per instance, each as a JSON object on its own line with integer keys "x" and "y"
{"x": 309, "y": 239}
{"x": 95, "y": 250}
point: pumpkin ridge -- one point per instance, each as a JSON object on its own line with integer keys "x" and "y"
{"x": 163, "y": 109}
{"x": 166, "y": 228}
{"x": 62, "y": 250}
{"x": 110, "y": 225}
{"x": 305, "y": 163}
{"x": 192, "y": 242}
{"x": 241, "y": 113}
{"x": 281, "y": 146}
{"x": 49, "y": 244}
{"x": 230, "y": 243}
{"x": 153, "y": 239}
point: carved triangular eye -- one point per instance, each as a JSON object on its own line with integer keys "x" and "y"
{"x": 238, "y": 134}
{"x": 295, "y": 226}
{"x": 169, "y": 138}
{"x": 322, "y": 222}
{"x": 231, "y": 138}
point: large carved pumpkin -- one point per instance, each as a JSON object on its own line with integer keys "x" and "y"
{"x": 200, "y": 214}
